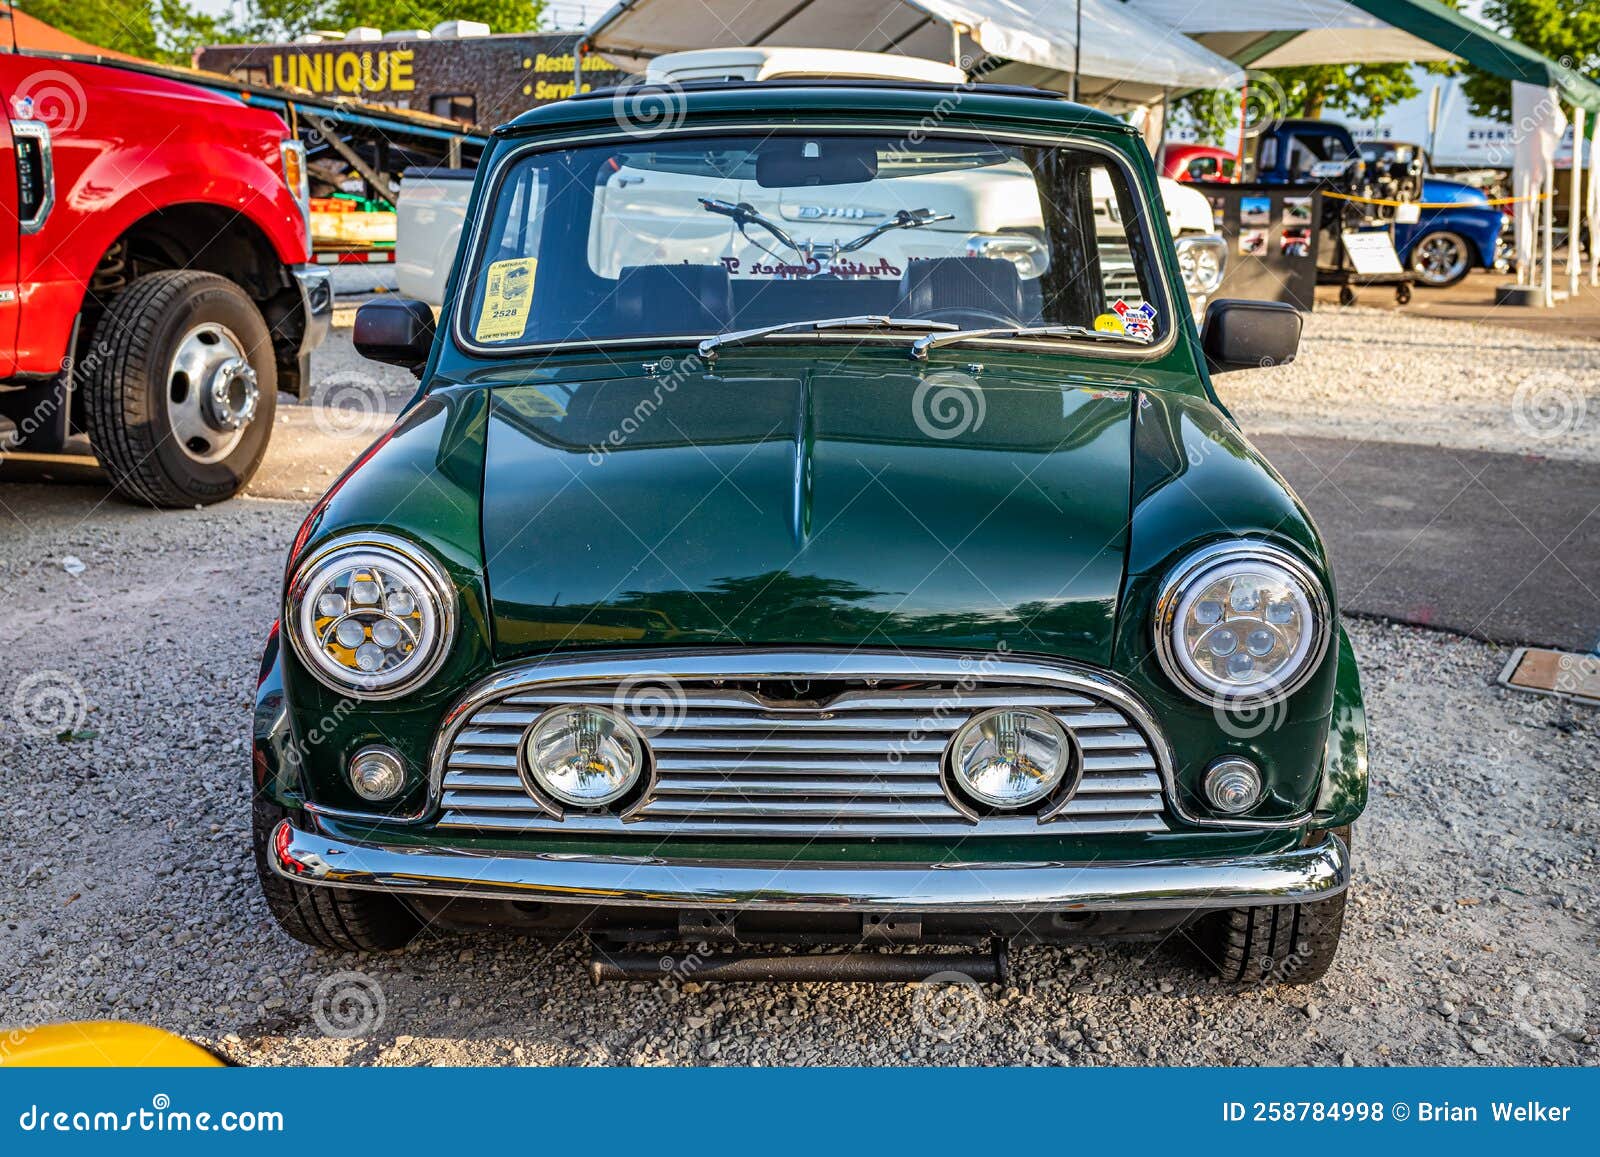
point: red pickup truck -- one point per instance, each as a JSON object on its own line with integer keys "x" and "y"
{"x": 156, "y": 290}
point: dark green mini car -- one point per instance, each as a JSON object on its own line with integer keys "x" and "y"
{"x": 816, "y": 526}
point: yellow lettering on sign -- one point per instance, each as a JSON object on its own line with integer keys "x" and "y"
{"x": 400, "y": 70}
{"x": 507, "y": 298}
{"x": 278, "y": 79}
{"x": 370, "y": 80}
{"x": 347, "y": 72}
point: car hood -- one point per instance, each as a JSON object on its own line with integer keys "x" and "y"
{"x": 811, "y": 507}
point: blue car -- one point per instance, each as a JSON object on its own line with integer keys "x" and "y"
{"x": 1444, "y": 245}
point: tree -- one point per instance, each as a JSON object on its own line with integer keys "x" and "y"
{"x": 1361, "y": 91}
{"x": 499, "y": 15}
{"x": 1567, "y": 31}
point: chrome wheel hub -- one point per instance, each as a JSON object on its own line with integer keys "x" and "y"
{"x": 212, "y": 393}
{"x": 1440, "y": 258}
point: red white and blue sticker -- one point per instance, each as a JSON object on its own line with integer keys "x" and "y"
{"x": 1137, "y": 320}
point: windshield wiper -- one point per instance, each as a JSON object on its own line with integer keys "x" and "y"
{"x": 920, "y": 347}
{"x": 708, "y": 348}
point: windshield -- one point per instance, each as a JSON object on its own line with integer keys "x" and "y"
{"x": 696, "y": 236}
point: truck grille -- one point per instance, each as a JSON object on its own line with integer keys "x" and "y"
{"x": 864, "y": 762}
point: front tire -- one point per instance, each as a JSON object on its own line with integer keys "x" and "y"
{"x": 333, "y": 919}
{"x": 1275, "y": 943}
{"x": 1441, "y": 259}
{"x": 180, "y": 386}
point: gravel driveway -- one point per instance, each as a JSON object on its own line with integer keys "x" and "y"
{"x": 128, "y": 890}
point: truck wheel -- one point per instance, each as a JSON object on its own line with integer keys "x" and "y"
{"x": 335, "y": 919}
{"x": 1275, "y": 943}
{"x": 180, "y": 386}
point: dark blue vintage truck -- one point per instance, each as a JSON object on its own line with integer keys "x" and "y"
{"x": 1458, "y": 230}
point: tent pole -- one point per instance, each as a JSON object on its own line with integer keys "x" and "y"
{"x": 1077, "y": 52}
{"x": 1161, "y": 142}
{"x": 955, "y": 44}
{"x": 1547, "y": 275}
{"x": 577, "y": 66}
{"x": 1575, "y": 211}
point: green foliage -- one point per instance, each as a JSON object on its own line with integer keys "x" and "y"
{"x": 170, "y": 30}
{"x": 499, "y": 15}
{"x": 1567, "y": 31}
{"x": 1359, "y": 91}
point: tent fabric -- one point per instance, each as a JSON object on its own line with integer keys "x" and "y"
{"x": 1281, "y": 33}
{"x": 1127, "y": 59}
{"x": 1284, "y": 33}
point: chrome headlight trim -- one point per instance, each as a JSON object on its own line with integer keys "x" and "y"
{"x": 416, "y": 566}
{"x": 1205, "y": 565}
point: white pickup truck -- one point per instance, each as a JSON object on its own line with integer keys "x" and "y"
{"x": 649, "y": 221}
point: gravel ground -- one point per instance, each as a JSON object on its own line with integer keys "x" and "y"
{"x": 130, "y": 891}
{"x": 1376, "y": 374}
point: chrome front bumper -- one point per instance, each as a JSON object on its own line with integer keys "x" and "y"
{"x": 1310, "y": 873}
{"x": 315, "y": 284}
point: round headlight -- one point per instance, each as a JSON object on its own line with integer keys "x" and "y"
{"x": 1241, "y": 623}
{"x": 372, "y": 617}
{"x": 1010, "y": 757}
{"x": 582, "y": 756}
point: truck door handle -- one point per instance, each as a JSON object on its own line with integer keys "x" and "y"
{"x": 36, "y": 179}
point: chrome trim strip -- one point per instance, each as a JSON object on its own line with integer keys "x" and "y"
{"x": 1151, "y": 220}
{"x": 1310, "y": 873}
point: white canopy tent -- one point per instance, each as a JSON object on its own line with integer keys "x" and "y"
{"x": 1127, "y": 60}
{"x": 1285, "y": 33}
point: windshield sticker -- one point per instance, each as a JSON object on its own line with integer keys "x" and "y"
{"x": 1109, "y": 323}
{"x": 507, "y": 298}
{"x": 1137, "y": 320}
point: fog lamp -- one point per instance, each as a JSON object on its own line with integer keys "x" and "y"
{"x": 1010, "y": 757}
{"x": 1233, "y": 785}
{"x": 582, "y": 756}
{"x": 377, "y": 773}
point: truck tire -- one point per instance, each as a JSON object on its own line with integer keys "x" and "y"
{"x": 335, "y": 919}
{"x": 180, "y": 385}
{"x": 1275, "y": 943}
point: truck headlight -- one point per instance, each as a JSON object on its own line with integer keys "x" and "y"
{"x": 1010, "y": 757}
{"x": 1201, "y": 261}
{"x": 1026, "y": 252}
{"x": 582, "y": 756}
{"x": 1241, "y": 622}
{"x": 371, "y": 615}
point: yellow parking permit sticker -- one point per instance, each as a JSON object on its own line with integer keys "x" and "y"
{"x": 1109, "y": 323}
{"x": 507, "y": 297}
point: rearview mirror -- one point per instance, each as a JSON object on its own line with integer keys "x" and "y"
{"x": 396, "y": 330}
{"x": 1246, "y": 335}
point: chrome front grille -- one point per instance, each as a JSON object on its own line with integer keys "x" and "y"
{"x": 865, "y": 762}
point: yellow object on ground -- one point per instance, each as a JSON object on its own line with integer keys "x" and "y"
{"x": 101, "y": 1044}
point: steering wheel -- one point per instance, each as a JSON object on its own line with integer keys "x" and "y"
{"x": 968, "y": 318}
